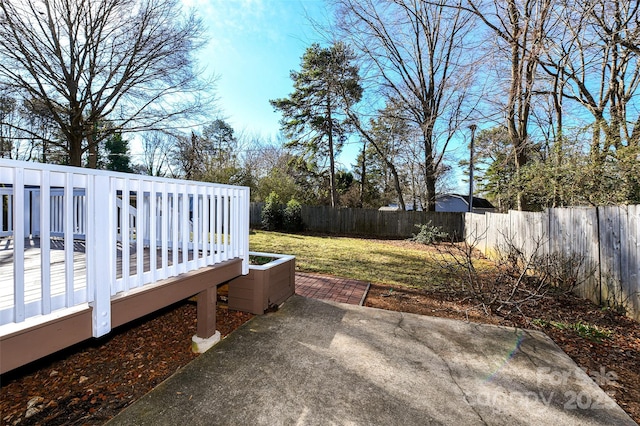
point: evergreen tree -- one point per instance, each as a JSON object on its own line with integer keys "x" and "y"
{"x": 220, "y": 155}
{"x": 118, "y": 158}
{"x": 313, "y": 116}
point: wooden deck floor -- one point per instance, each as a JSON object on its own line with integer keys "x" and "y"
{"x": 32, "y": 268}
{"x": 33, "y": 260}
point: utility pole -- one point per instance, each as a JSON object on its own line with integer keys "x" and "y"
{"x": 473, "y": 134}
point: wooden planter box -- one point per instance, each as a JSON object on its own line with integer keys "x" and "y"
{"x": 265, "y": 286}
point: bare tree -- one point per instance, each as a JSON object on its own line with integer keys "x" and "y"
{"x": 155, "y": 149}
{"x": 521, "y": 28}
{"x": 125, "y": 62}
{"x": 8, "y": 112}
{"x": 416, "y": 51}
{"x": 598, "y": 58}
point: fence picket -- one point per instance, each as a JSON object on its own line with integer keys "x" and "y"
{"x": 605, "y": 239}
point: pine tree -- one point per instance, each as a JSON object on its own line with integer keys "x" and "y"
{"x": 313, "y": 115}
{"x": 118, "y": 158}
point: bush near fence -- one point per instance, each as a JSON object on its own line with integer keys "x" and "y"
{"x": 607, "y": 239}
{"x": 370, "y": 222}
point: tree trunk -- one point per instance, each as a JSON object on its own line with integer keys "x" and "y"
{"x": 396, "y": 183}
{"x": 332, "y": 164}
{"x": 430, "y": 173}
{"x": 521, "y": 160}
{"x": 92, "y": 161}
{"x": 75, "y": 150}
{"x": 431, "y": 194}
{"x": 363, "y": 174}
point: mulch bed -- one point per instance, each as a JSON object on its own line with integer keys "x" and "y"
{"x": 91, "y": 382}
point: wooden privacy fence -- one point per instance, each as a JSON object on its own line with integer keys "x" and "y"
{"x": 605, "y": 239}
{"x": 370, "y": 222}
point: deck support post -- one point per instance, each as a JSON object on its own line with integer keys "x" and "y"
{"x": 206, "y": 334}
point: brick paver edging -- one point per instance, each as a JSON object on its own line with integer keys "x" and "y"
{"x": 327, "y": 287}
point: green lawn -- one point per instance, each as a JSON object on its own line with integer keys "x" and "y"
{"x": 378, "y": 262}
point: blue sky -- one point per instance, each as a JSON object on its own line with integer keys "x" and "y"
{"x": 253, "y": 46}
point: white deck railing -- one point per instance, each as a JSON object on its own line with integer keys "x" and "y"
{"x": 134, "y": 231}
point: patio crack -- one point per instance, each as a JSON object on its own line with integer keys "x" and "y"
{"x": 462, "y": 391}
{"x": 521, "y": 334}
{"x": 411, "y": 334}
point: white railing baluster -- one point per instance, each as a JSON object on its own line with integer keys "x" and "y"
{"x": 212, "y": 227}
{"x": 219, "y": 208}
{"x": 79, "y": 214}
{"x": 68, "y": 241}
{"x": 227, "y": 225}
{"x": 32, "y": 198}
{"x": 114, "y": 216}
{"x": 235, "y": 217}
{"x": 165, "y": 238}
{"x": 141, "y": 222}
{"x": 18, "y": 244}
{"x": 202, "y": 260}
{"x": 76, "y": 214}
{"x": 185, "y": 230}
{"x": 28, "y": 218}
{"x": 45, "y": 243}
{"x": 154, "y": 215}
{"x": 195, "y": 239}
{"x": 10, "y": 209}
{"x": 175, "y": 229}
{"x": 124, "y": 235}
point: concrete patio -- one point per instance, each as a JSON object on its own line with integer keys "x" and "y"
{"x": 315, "y": 362}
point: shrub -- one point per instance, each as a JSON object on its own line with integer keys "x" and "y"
{"x": 272, "y": 214}
{"x": 293, "y": 216}
{"x": 429, "y": 234}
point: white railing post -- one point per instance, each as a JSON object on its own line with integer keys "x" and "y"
{"x": 99, "y": 245}
{"x": 244, "y": 226}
